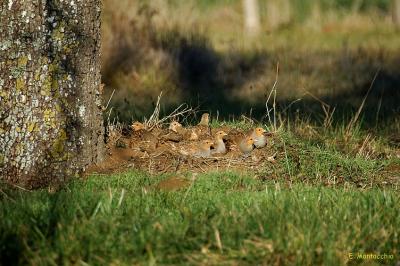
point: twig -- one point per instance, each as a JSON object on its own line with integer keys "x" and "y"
{"x": 155, "y": 121}
{"x": 326, "y": 108}
{"x": 290, "y": 104}
{"x": 379, "y": 108}
{"x": 248, "y": 119}
{"x": 355, "y": 118}
{"x": 177, "y": 112}
{"x": 154, "y": 118}
{"x": 364, "y": 146}
{"x": 273, "y": 91}
{"x": 218, "y": 239}
{"x": 109, "y": 100}
{"x": 109, "y": 114}
{"x": 316, "y": 98}
{"x": 21, "y": 188}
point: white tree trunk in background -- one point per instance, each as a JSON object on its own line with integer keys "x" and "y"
{"x": 251, "y": 16}
{"x": 396, "y": 12}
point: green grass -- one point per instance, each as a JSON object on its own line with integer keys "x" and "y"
{"x": 121, "y": 219}
{"x": 319, "y": 202}
{"x": 328, "y": 194}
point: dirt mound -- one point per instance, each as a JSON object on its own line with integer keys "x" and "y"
{"x": 167, "y": 157}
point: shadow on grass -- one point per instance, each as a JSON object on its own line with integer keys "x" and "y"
{"x": 207, "y": 77}
{"x": 11, "y": 249}
{"x": 39, "y": 223}
{"x": 381, "y": 105}
{"x": 237, "y": 82}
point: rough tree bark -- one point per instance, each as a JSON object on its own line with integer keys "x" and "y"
{"x": 50, "y": 103}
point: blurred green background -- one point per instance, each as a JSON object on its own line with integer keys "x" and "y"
{"x": 200, "y": 53}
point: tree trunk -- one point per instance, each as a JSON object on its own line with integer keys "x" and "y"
{"x": 251, "y": 17}
{"x": 396, "y": 12}
{"x": 50, "y": 103}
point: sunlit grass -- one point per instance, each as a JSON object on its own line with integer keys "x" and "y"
{"x": 221, "y": 217}
{"x": 317, "y": 203}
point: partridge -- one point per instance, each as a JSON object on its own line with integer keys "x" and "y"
{"x": 202, "y": 130}
{"x": 188, "y": 134}
{"x": 139, "y": 131}
{"x": 233, "y": 139}
{"x": 219, "y": 147}
{"x": 205, "y": 120}
{"x": 200, "y": 149}
{"x": 175, "y": 126}
{"x": 142, "y": 138}
{"x": 173, "y": 133}
{"x": 246, "y": 145}
{"x": 203, "y": 149}
{"x": 136, "y": 126}
{"x": 260, "y": 140}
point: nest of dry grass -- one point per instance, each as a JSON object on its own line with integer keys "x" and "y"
{"x": 128, "y": 152}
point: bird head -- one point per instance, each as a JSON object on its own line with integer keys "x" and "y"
{"x": 250, "y": 141}
{"x": 207, "y": 144}
{"x": 174, "y": 126}
{"x": 259, "y": 131}
{"x": 220, "y": 135}
{"x": 136, "y": 126}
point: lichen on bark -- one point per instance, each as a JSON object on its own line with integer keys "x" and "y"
{"x": 49, "y": 71}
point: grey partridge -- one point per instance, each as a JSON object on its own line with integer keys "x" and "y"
{"x": 246, "y": 145}
{"x": 219, "y": 144}
{"x": 260, "y": 139}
